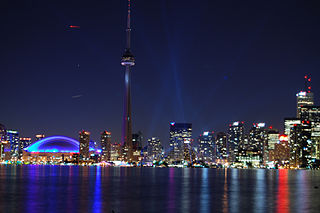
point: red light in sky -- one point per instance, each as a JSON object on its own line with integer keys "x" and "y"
{"x": 74, "y": 26}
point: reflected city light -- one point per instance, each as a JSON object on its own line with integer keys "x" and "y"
{"x": 204, "y": 193}
{"x": 283, "y": 192}
{"x": 225, "y": 206}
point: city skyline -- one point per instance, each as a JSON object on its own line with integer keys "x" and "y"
{"x": 49, "y": 95}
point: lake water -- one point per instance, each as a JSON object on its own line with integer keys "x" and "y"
{"x": 101, "y": 189}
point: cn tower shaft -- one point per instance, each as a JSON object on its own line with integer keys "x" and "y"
{"x": 128, "y": 61}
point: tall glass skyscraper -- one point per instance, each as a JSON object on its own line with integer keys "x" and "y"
{"x": 180, "y": 140}
{"x": 14, "y": 140}
{"x": 221, "y": 147}
{"x": 154, "y": 148}
{"x": 304, "y": 99}
{"x": 236, "y": 136}
{"x": 84, "y": 142}
{"x": 105, "y": 146}
{"x": 207, "y": 147}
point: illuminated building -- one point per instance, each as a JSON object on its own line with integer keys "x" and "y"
{"x": 251, "y": 159}
{"x": 40, "y": 137}
{"x": 180, "y": 140}
{"x": 273, "y": 139}
{"x": 154, "y": 149}
{"x": 206, "y": 150}
{"x": 258, "y": 141}
{"x": 221, "y": 146}
{"x": 304, "y": 99}
{"x": 115, "y": 154}
{"x": 14, "y": 140}
{"x": 235, "y": 138}
{"x": 282, "y": 151}
{"x": 106, "y": 146}
{"x": 137, "y": 140}
{"x": 84, "y": 139}
{"x": 315, "y": 137}
{"x": 311, "y": 115}
{"x": 300, "y": 146}
{"x": 24, "y": 143}
{"x": 3, "y": 141}
{"x": 289, "y": 123}
{"x": 128, "y": 61}
{"x": 53, "y": 149}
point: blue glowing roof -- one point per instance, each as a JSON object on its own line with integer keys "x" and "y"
{"x": 55, "y": 144}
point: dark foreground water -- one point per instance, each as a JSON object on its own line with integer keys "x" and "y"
{"x": 99, "y": 189}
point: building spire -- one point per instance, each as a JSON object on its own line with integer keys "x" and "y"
{"x": 129, "y": 26}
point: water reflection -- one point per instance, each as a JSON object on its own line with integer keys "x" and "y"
{"x": 234, "y": 192}
{"x": 282, "y": 198}
{"x": 99, "y": 189}
{"x": 171, "y": 190}
{"x": 96, "y": 208}
{"x": 185, "y": 190}
{"x": 260, "y": 199}
{"x": 204, "y": 194}
{"x": 302, "y": 194}
{"x": 225, "y": 207}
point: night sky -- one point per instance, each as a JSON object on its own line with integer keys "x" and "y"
{"x": 205, "y": 62}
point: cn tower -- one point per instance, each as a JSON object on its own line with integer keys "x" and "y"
{"x": 127, "y": 61}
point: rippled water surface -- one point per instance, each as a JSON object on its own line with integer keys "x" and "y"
{"x": 99, "y": 189}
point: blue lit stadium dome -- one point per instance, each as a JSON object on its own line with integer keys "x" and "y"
{"x": 55, "y": 144}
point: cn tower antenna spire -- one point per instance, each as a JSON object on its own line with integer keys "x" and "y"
{"x": 129, "y": 26}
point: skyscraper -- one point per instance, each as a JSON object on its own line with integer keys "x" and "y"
{"x": 258, "y": 141}
{"x": 305, "y": 98}
{"x": 301, "y": 146}
{"x": 3, "y": 140}
{"x": 137, "y": 139}
{"x": 128, "y": 61}
{"x": 221, "y": 147}
{"x": 14, "y": 140}
{"x": 106, "y": 146}
{"x": 180, "y": 139}
{"x": 282, "y": 151}
{"x": 235, "y": 138}
{"x": 273, "y": 139}
{"x": 289, "y": 123}
{"x": 84, "y": 141}
{"x": 206, "y": 150}
{"x": 154, "y": 148}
